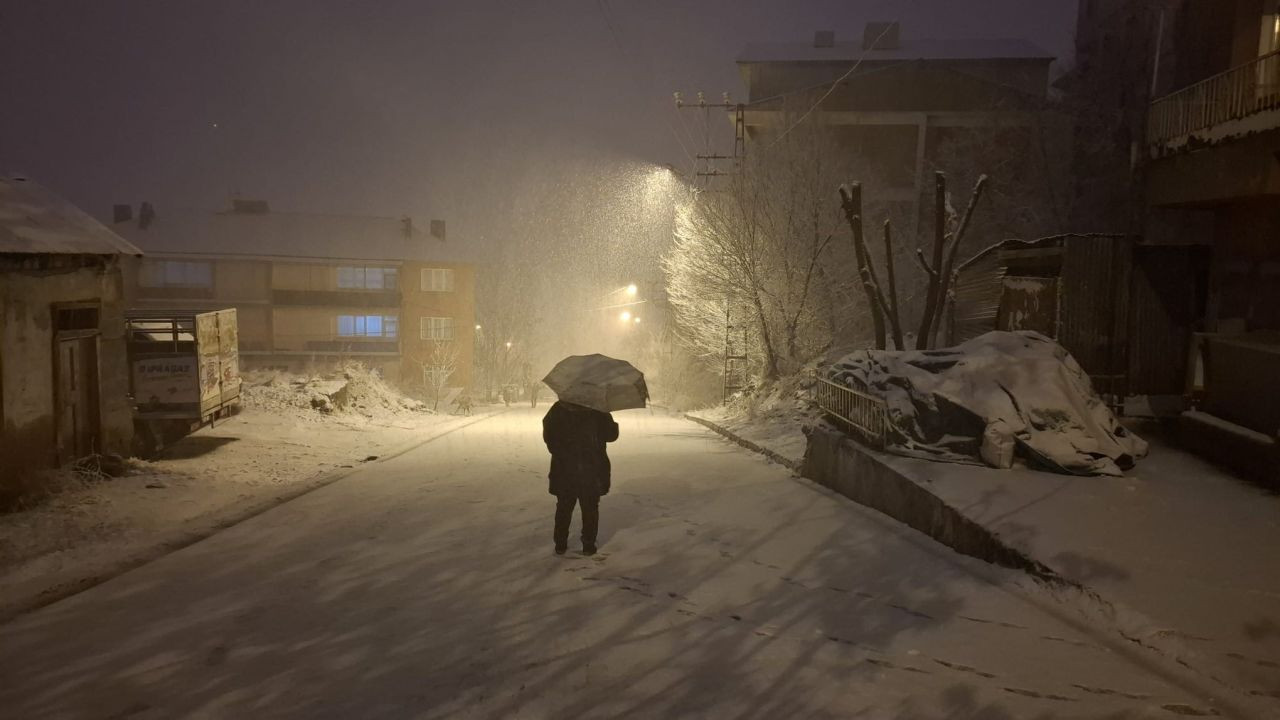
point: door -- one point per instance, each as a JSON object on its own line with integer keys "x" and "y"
{"x": 1029, "y": 303}
{"x": 77, "y": 397}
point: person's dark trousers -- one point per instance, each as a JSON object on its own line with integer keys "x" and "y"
{"x": 590, "y": 519}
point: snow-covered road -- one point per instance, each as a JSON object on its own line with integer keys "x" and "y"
{"x": 425, "y": 586}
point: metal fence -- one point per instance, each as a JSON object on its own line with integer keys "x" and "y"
{"x": 861, "y": 414}
{"x": 1237, "y": 93}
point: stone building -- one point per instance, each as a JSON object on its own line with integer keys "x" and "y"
{"x": 63, "y": 370}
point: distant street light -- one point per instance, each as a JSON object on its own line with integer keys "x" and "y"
{"x": 631, "y": 289}
{"x": 508, "y": 344}
{"x": 625, "y": 316}
{"x": 477, "y": 327}
{"x": 637, "y": 319}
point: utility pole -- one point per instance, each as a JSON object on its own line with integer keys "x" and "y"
{"x": 735, "y": 332}
{"x": 708, "y": 159}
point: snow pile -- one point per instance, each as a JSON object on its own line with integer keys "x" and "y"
{"x": 773, "y": 418}
{"x": 991, "y": 396}
{"x": 351, "y": 390}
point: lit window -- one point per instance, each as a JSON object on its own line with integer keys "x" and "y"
{"x": 437, "y": 280}
{"x": 436, "y": 328}
{"x": 368, "y": 326}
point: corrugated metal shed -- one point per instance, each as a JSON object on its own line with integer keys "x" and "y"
{"x": 36, "y": 221}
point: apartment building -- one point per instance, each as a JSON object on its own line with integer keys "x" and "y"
{"x": 1193, "y": 88}
{"x": 311, "y": 289}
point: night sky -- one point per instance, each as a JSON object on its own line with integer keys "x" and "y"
{"x": 394, "y": 107}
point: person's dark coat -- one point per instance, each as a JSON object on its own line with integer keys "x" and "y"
{"x": 576, "y": 437}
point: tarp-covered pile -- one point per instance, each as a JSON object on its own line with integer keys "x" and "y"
{"x": 981, "y": 400}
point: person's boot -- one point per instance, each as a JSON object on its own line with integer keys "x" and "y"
{"x": 588, "y": 549}
{"x": 561, "y": 549}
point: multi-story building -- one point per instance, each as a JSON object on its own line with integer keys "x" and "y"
{"x": 311, "y": 289}
{"x": 1193, "y": 90}
{"x": 904, "y": 106}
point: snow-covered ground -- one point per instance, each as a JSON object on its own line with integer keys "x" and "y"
{"x": 773, "y": 421}
{"x": 277, "y": 446}
{"x": 425, "y": 586}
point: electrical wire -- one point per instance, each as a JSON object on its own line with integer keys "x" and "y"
{"x": 613, "y": 33}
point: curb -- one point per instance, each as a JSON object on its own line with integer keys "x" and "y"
{"x": 218, "y": 521}
{"x": 793, "y": 465}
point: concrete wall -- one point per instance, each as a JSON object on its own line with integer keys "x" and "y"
{"x": 28, "y": 292}
{"x": 459, "y": 305}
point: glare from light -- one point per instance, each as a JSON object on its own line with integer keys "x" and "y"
{"x": 631, "y": 289}
{"x": 625, "y": 316}
{"x": 637, "y": 319}
{"x": 508, "y": 344}
{"x": 477, "y": 327}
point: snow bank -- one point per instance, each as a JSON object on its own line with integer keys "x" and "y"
{"x": 353, "y": 389}
{"x": 1000, "y": 391}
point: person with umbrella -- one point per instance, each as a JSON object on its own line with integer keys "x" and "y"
{"x": 576, "y": 430}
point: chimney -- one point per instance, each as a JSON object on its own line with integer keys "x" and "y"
{"x": 880, "y": 36}
{"x": 437, "y": 229}
{"x": 146, "y": 214}
{"x": 249, "y": 207}
{"x": 824, "y": 39}
{"x": 121, "y": 213}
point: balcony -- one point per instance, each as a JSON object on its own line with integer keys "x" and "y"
{"x": 1232, "y": 104}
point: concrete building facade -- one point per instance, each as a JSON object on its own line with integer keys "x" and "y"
{"x": 63, "y": 368}
{"x": 1194, "y": 91}
{"x": 904, "y": 106}
{"x": 311, "y": 290}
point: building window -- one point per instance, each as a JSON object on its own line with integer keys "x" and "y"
{"x": 176, "y": 274}
{"x": 436, "y": 328}
{"x": 367, "y": 278}
{"x": 437, "y": 280}
{"x": 384, "y": 326}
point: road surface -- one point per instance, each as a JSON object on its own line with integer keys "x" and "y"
{"x": 425, "y": 586}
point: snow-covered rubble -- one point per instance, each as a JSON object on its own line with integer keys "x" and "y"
{"x": 353, "y": 389}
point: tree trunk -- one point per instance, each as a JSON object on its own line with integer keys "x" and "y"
{"x": 851, "y": 202}
{"x": 934, "y": 270}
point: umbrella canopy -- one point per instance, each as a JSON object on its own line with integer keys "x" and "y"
{"x": 598, "y": 382}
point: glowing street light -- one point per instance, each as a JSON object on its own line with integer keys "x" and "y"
{"x": 637, "y": 319}
{"x": 508, "y": 344}
{"x": 631, "y": 289}
{"x": 477, "y": 327}
{"x": 625, "y": 316}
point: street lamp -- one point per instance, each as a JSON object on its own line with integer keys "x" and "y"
{"x": 508, "y": 344}
{"x": 477, "y": 327}
{"x": 631, "y": 289}
{"x": 625, "y": 316}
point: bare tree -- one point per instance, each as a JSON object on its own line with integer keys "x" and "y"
{"x": 949, "y": 232}
{"x": 757, "y": 256}
{"x": 437, "y": 366}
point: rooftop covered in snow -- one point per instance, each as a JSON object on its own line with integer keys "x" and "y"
{"x": 257, "y": 231}
{"x": 908, "y": 49}
{"x": 36, "y": 221}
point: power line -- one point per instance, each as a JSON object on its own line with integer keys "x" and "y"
{"x": 613, "y": 33}
{"x": 865, "y": 49}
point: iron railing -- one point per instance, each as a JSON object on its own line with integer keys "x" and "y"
{"x": 860, "y": 414}
{"x": 1242, "y": 91}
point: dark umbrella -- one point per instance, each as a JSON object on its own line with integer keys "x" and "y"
{"x": 598, "y": 382}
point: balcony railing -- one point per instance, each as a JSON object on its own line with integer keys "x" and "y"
{"x": 1245, "y": 90}
{"x": 860, "y": 414}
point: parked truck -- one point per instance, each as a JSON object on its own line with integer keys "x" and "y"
{"x": 184, "y": 372}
